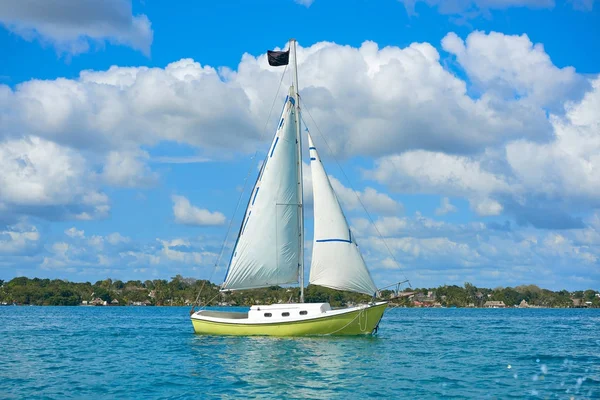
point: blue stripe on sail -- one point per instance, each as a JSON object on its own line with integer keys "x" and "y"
{"x": 244, "y": 228}
{"x": 312, "y": 148}
{"x": 312, "y": 158}
{"x": 255, "y": 194}
{"x": 272, "y": 150}
{"x": 292, "y": 100}
{"x": 337, "y": 240}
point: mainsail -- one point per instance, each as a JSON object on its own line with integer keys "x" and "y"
{"x": 336, "y": 260}
{"x": 267, "y": 250}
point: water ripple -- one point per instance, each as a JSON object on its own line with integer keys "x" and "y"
{"x": 127, "y": 352}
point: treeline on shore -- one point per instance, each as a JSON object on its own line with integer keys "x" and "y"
{"x": 181, "y": 291}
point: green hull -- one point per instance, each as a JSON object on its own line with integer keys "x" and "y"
{"x": 357, "y": 322}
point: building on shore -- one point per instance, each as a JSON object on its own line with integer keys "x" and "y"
{"x": 494, "y": 304}
{"x": 523, "y": 304}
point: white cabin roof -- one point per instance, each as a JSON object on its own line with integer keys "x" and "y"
{"x": 292, "y": 306}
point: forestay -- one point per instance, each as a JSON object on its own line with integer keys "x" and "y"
{"x": 267, "y": 250}
{"x": 336, "y": 260}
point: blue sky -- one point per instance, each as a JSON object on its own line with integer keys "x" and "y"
{"x": 470, "y": 130}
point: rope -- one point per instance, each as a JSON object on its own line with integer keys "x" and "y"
{"x": 361, "y": 312}
{"x": 196, "y": 302}
{"x": 352, "y": 187}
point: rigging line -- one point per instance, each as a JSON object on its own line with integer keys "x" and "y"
{"x": 352, "y": 187}
{"x": 237, "y": 206}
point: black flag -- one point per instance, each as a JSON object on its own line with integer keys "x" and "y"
{"x": 277, "y": 58}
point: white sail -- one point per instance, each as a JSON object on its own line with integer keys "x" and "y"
{"x": 267, "y": 250}
{"x": 336, "y": 260}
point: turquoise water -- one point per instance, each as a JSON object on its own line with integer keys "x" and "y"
{"x": 151, "y": 352}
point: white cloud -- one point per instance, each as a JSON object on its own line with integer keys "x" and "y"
{"x": 116, "y": 238}
{"x": 187, "y": 214}
{"x": 497, "y": 149}
{"x": 71, "y": 26}
{"x": 36, "y": 171}
{"x": 128, "y": 169}
{"x": 171, "y": 251}
{"x": 537, "y": 183}
{"x": 305, "y": 3}
{"x": 472, "y": 8}
{"x": 432, "y": 251}
{"x": 40, "y": 177}
{"x": 96, "y": 241}
{"x": 180, "y": 160}
{"x": 391, "y": 93}
{"x": 511, "y": 66}
{"x": 123, "y": 108}
{"x": 140, "y": 258}
{"x": 445, "y": 207}
{"x": 74, "y": 233}
{"x": 19, "y": 239}
{"x": 486, "y": 207}
{"x": 372, "y": 200}
{"x": 569, "y": 165}
{"x": 434, "y": 172}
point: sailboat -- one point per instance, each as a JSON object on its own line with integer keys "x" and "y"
{"x": 269, "y": 249}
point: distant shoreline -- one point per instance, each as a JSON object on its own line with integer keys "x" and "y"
{"x": 180, "y": 291}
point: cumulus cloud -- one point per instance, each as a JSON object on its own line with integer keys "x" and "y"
{"x": 426, "y": 132}
{"x": 74, "y": 233}
{"x": 445, "y": 207}
{"x": 181, "y": 251}
{"x": 391, "y": 93}
{"x": 472, "y": 8}
{"x": 71, "y": 26}
{"x": 40, "y": 177}
{"x": 187, "y": 214}
{"x": 19, "y": 239}
{"x": 472, "y": 252}
{"x": 511, "y": 66}
{"x": 435, "y": 173}
{"x": 116, "y": 238}
{"x": 124, "y": 108}
{"x": 537, "y": 183}
{"x": 128, "y": 169}
{"x": 367, "y": 100}
{"x": 122, "y": 257}
{"x": 373, "y": 200}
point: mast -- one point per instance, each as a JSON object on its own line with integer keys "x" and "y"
{"x": 300, "y": 182}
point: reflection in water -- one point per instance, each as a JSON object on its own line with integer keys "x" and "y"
{"x": 313, "y": 366}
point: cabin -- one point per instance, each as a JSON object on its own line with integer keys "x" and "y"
{"x": 97, "y": 302}
{"x": 274, "y": 312}
{"x": 494, "y": 304}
